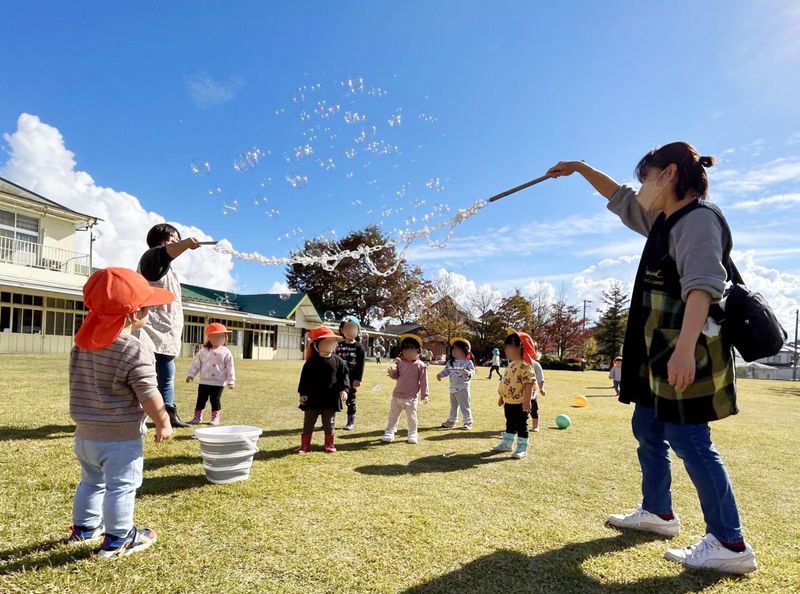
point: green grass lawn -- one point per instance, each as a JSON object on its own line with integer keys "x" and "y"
{"x": 442, "y": 516}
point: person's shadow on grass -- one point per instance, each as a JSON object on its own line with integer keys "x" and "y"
{"x": 44, "y": 432}
{"x": 432, "y": 464}
{"x": 559, "y": 570}
{"x": 48, "y": 553}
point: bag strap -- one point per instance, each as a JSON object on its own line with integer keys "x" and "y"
{"x": 733, "y": 273}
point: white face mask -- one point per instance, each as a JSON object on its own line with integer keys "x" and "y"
{"x": 652, "y": 196}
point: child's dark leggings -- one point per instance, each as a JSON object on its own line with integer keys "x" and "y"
{"x": 535, "y": 408}
{"x": 312, "y": 414}
{"x": 204, "y": 392}
{"x": 351, "y": 401}
{"x": 516, "y": 420}
{"x": 494, "y": 368}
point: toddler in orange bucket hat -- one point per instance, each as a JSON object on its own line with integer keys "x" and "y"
{"x": 112, "y": 387}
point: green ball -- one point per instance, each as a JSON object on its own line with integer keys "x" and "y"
{"x": 563, "y": 421}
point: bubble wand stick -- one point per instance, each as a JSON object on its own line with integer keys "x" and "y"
{"x": 516, "y": 189}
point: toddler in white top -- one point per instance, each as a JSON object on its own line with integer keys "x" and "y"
{"x": 214, "y": 364}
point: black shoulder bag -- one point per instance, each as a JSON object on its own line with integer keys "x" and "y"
{"x": 748, "y": 322}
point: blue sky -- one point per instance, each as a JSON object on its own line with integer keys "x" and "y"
{"x": 488, "y": 96}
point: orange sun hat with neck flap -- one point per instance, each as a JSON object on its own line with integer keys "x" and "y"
{"x": 316, "y": 334}
{"x": 528, "y": 346}
{"x": 111, "y": 294}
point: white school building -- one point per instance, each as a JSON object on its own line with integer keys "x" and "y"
{"x": 41, "y": 278}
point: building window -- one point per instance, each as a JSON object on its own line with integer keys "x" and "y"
{"x": 17, "y": 227}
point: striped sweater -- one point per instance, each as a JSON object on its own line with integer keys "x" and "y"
{"x": 107, "y": 386}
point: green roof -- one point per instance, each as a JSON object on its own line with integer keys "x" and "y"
{"x": 265, "y": 304}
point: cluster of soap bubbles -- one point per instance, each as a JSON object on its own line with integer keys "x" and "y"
{"x": 348, "y": 129}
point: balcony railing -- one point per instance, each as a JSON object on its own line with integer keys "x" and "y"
{"x": 36, "y": 255}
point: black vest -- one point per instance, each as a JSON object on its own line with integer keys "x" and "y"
{"x": 654, "y": 323}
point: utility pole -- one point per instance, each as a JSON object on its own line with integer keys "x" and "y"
{"x": 585, "y": 303}
{"x": 796, "y": 345}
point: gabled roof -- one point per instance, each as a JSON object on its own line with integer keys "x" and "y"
{"x": 266, "y": 304}
{"x": 10, "y": 187}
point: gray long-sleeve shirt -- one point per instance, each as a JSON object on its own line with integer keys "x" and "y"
{"x": 696, "y": 242}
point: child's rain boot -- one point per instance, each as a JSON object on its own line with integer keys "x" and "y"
{"x": 198, "y": 417}
{"x": 215, "y": 416}
{"x": 305, "y": 444}
{"x": 329, "y": 447}
{"x": 506, "y": 443}
{"x": 522, "y": 448}
{"x": 351, "y": 423}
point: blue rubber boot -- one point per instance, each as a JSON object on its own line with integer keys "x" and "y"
{"x": 506, "y": 443}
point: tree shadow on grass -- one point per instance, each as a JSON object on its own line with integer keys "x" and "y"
{"x": 50, "y": 553}
{"x": 43, "y": 432}
{"x": 431, "y": 464}
{"x": 165, "y": 485}
{"x": 561, "y": 571}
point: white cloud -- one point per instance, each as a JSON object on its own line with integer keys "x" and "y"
{"x": 493, "y": 242}
{"x": 780, "y": 289}
{"x": 279, "y": 287}
{"x": 39, "y": 160}
{"x": 778, "y": 200}
{"x": 590, "y": 283}
{"x": 207, "y": 92}
{"x": 756, "y": 179}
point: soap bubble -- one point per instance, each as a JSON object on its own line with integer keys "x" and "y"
{"x": 374, "y": 312}
{"x": 215, "y": 191}
{"x": 249, "y": 158}
{"x": 353, "y": 85}
{"x": 377, "y": 387}
{"x": 329, "y": 316}
{"x": 363, "y": 335}
{"x": 435, "y": 184}
{"x": 200, "y": 167}
{"x": 297, "y": 180}
{"x": 361, "y": 302}
{"x": 353, "y": 117}
{"x": 396, "y": 118}
{"x": 284, "y": 295}
{"x": 272, "y": 213}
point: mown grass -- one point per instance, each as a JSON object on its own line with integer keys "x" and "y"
{"x": 441, "y": 516}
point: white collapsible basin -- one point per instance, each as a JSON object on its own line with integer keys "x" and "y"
{"x": 228, "y": 452}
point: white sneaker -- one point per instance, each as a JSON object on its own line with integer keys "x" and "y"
{"x": 413, "y": 439}
{"x": 646, "y": 522}
{"x": 709, "y": 553}
{"x": 387, "y": 437}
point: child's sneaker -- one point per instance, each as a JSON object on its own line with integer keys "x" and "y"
{"x": 215, "y": 416}
{"x": 467, "y": 427}
{"x": 388, "y": 437}
{"x": 81, "y": 534}
{"x": 643, "y": 520}
{"x": 413, "y": 438}
{"x": 710, "y": 553}
{"x": 448, "y": 425}
{"x": 137, "y": 540}
{"x": 198, "y": 418}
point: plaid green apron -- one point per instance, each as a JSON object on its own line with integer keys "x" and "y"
{"x": 654, "y": 323}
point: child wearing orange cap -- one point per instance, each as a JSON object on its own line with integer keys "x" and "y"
{"x": 214, "y": 364}
{"x": 412, "y": 380}
{"x": 516, "y": 393}
{"x": 324, "y": 386}
{"x": 112, "y": 387}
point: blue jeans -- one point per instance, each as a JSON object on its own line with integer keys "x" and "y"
{"x": 692, "y": 443}
{"x": 165, "y": 372}
{"x": 111, "y": 471}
